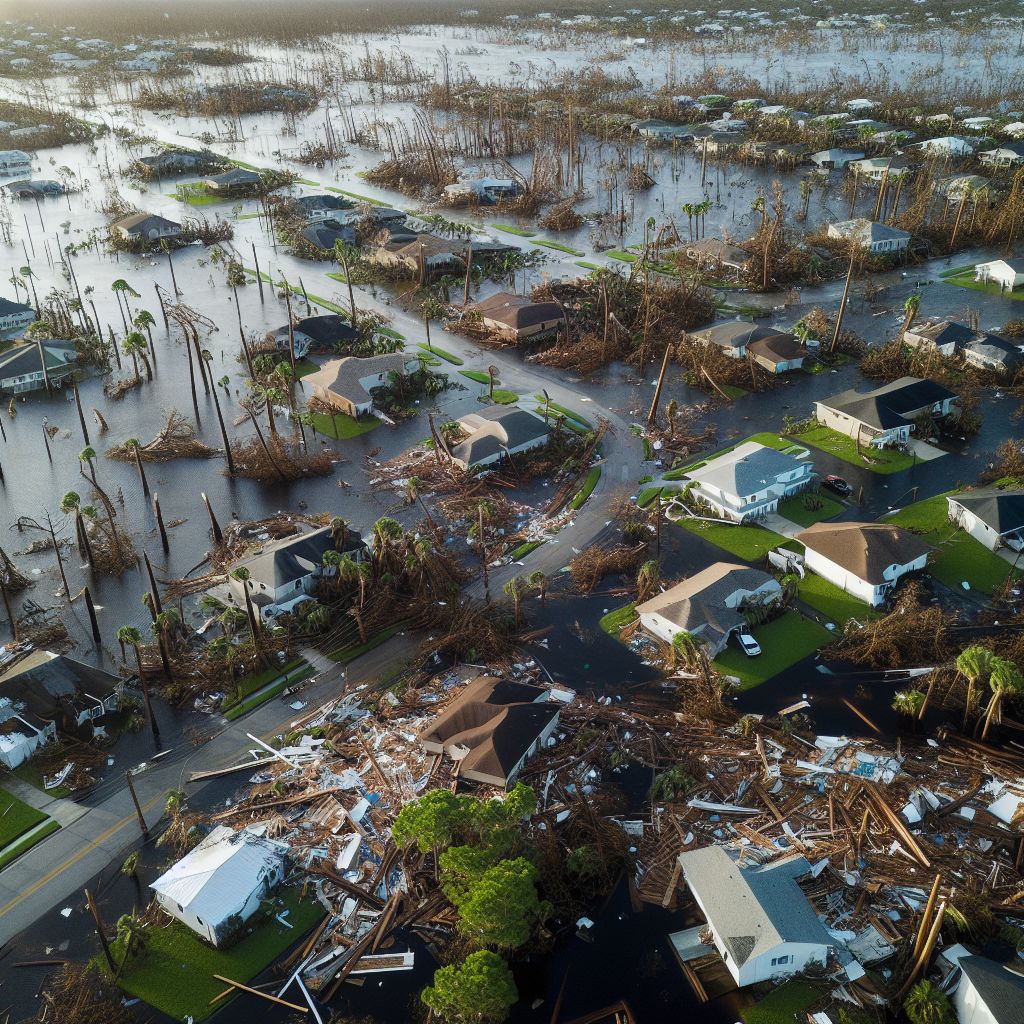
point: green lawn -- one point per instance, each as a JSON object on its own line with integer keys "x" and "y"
{"x": 825, "y": 597}
{"x": 504, "y": 397}
{"x": 304, "y": 367}
{"x": 175, "y": 972}
{"x": 800, "y": 509}
{"x": 347, "y": 654}
{"x": 16, "y": 818}
{"x": 478, "y": 375}
{"x": 732, "y": 391}
{"x": 357, "y": 195}
{"x": 845, "y": 448}
{"x": 440, "y": 352}
{"x": 751, "y": 543}
{"x": 524, "y": 549}
{"x": 622, "y": 255}
{"x": 783, "y": 1005}
{"x": 784, "y": 641}
{"x": 959, "y": 556}
{"x": 27, "y": 772}
{"x": 11, "y": 853}
{"x": 196, "y": 194}
{"x": 587, "y": 265}
{"x": 302, "y": 670}
{"x": 587, "y": 489}
{"x": 560, "y": 246}
{"x": 565, "y": 411}
{"x": 342, "y": 427}
{"x": 511, "y": 229}
{"x": 646, "y": 497}
{"x": 613, "y": 622}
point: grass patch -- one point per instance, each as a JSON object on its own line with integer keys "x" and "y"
{"x": 524, "y": 549}
{"x": 587, "y": 489}
{"x": 751, "y": 543}
{"x": 14, "y": 850}
{"x": 478, "y": 375}
{"x": 357, "y": 195}
{"x": 504, "y": 397}
{"x": 196, "y": 194}
{"x": 256, "y": 681}
{"x": 16, "y": 818}
{"x": 617, "y": 618}
{"x": 342, "y": 427}
{"x": 957, "y": 271}
{"x": 622, "y": 255}
{"x": 347, "y": 654}
{"x": 845, "y": 448}
{"x": 175, "y": 973}
{"x": 834, "y": 603}
{"x": 782, "y": 1005}
{"x": 303, "y": 367}
{"x": 959, "y": 556}
{"x": 560, "y": 246}
{"x": 784, "y": 641}
{"x": 647, "y": 496}
{"x": 587, "y": 265}
{"x": 441, "y": 354}
{"x": 565, "y": 411}
{"x": 304, "y": 672}
{"x": 732, "y": 391}
{"x": 27, "y": 772}
{"x": 511, "y": 229}
{"x": 966, "y": 280}
{"x": 796, "y": 510}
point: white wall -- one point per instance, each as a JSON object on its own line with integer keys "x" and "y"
{"x": 975, "y": 527}
{"x": 968, "y": 1005}
{"x": 845, "y": 580}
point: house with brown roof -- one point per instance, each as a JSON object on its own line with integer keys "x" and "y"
{"x": 345, "y": 384}
{"x": 496, "y": 433}
{"x": 145, "y": 228}
{"x": 715, "y": 253}
{"x": 778, "y": 353}
{"x": 432, "y": 253}
{"x": 709, "y": 605}
{"x": 864, "y": 559}
{"x": 733, "y": 337}
{"x": 516, "y": 317}
{"x": 491, "y": 728}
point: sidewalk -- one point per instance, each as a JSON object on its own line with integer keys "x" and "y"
{"x": 64, "y": 812}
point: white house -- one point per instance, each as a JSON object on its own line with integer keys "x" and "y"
{"x": 748, "y": 482}
{"x": 988, "y": 993}
{"x": 493, "y": 434}
{"x": 886, "y": 414}
{"x": 290, "y": 568}
{"x": 733, "y": 336}
{"x": 709, "y": 605}
{"x": 996, "y": 518}
{"x": 879, "y": 239}
{"x": 216, "y": 887}
{"x": 1008, "y": 274}
{"x": 946, "y": 145}
{"x": 864, "y": 559}
{"x": 829, "y": 159}
{"x": 13, "y": 162}
{"x": 15, "y": 316}
{"x": 875, "y": 168}
{"x": 759, "y": 919}
{"x": 1008, "y": 155}
{"x": 21, "y": 732}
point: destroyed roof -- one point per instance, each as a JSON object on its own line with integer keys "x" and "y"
{"x": 864, "y": 549}
{"x": 887, "y": 406}
{"x": 734, "y": 333}
{"x": 867, "y": 232}
{"x": 496, "y": 720}
{"x": 943, "y": 332}
{"x": 779, "y": 348}
{"x": 216, "y": 879}
{"x": 1001, "y": 989}
{"x": 44, "y": 682}
{"x": 343, "y": 376}
{"x": 753, "y": 909}
{"x": 517, "y": 311}
{"x": 290, "y": 559}
{"x": 1003, "y": 511}
{"x": 745, "y": 470}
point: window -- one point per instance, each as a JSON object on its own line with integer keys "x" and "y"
{"x": 779, "y": 961}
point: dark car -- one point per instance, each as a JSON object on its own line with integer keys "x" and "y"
{"x": 838, "y": 485}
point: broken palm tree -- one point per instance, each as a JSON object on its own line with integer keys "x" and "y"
{"x": 177, "y": 440}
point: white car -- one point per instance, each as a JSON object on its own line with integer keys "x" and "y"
{"x": 748, "y": 645}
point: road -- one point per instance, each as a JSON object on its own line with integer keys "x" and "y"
{"x": 56, "y": 870}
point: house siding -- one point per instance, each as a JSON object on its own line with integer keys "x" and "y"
{"x": 871, "y": 594}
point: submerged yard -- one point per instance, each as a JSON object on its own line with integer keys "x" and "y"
{"x": 845, "y": 448}
{"x": 784, "y": 641}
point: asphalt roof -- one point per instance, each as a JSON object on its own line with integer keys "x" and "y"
{"x": 867, "y": 231}
{"x": 24, "y": 359}
{"x": 7, "y": 307}
{"x": 943, "y": 332}
{"x": 45, "y": 682}
{"x": 1001, "y": 990}
{"x": 734, "y": 333}
{"x": 1003, "y": 511}
{"x": 779, "y": 348}
{"x": 285, "y": 561}
{"x": 343, "y": 376}
{"x": 748, "y": 468}
{"x": 517, "y": 311}
{"x": 136, "y": 221}
{"x": 890, "y": 405}
{"x": 864, "y": 549}
{"x": 753, "y": 909}
{"x": 495, "y": 429}
{"x": 323, "y": 236}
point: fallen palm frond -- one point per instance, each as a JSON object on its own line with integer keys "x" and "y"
{"x": 562, "y": 216}
{"x": 273, "y": 458}
{"x": 177, "y": 440}
{"x": 115, "y": 390}
{"x": 590, "y": 566}
{"x": 79, "y": 994}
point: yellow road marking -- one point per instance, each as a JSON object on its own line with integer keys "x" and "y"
{"x": 60, "y": 868}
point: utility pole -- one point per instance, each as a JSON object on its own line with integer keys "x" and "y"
{"x": 483, "y": 555}
{"x": 95, "y": 911}
{"x": 138, "y": 806}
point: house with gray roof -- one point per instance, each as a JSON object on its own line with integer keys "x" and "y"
{"x": 994, "y": 517}
{"x": 885, "y": 415}
{"x": 21, "y": 366}
{"x": 239, "y": 181}
{"x": 945, "y": 337}
{"x": 709, "y": 605}
{"x": 877, "y": 238}
{"x": 145, "y": 228}
{"x": 760, "y": 920}
{"x": 749, "y": 481}
{"x": 988, "y": 992}
{"x": 991, "y": 352}
{"x": 347, "y": 384}
{"x": 733, "y": 336}
{"x": 496, "y": 433}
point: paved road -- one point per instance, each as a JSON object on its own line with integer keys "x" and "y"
{"x": 92, "y": 838}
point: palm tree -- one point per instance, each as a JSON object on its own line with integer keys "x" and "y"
{"x": 1005, "y": 679}
{"x": 910, "y": 308}
{"x": 671, "y": 412}
{"x": 134, "y": 345}
{"x": 243, "y": 576}
{"x": 927, "y": 1004}
{"x": 87, "y": 455}
{"x": 132, "y": 937}
{"x": 72, "y": 503}
{"x": 516, "y": 589}
{"x": 122, "y": 289}
{"x": 974, "y": 663}
{"x": 908, "y": 702}
{"x": 331, "y": 562}
{"x": 385, "y": 531}
{"x": 28, "y": 273}
{"x": 339, "y": 533}
{"x": 492, "y": 377}
{"x": 539, "y": 581}
{"x": 647, "y": 579}
{"x": 129, "y": 636}
{"x": 685, "y": 648}
{"x": 144, "y": 322}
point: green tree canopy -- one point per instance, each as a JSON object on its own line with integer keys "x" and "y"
{"x": 502, "y": 908}
{"x": 927, "y": 1004}
{"x": 480, "y": 989}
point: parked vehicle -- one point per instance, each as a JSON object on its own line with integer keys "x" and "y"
{"x": 748, "y": 645}
{"x": 838, "y": 485}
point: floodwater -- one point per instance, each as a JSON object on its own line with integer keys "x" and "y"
{"x": 626, "y": 945}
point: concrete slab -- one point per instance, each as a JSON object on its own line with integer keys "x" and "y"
{"x": 924, "y": 451}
